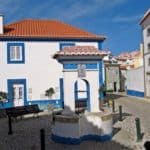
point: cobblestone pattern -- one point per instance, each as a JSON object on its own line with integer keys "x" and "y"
{"x": 133, "y": 107}
{"x": 26, "y": 136}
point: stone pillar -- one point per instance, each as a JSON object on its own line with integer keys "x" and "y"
{"x": 92, "y": 78}
{"x": 69, "y": 99}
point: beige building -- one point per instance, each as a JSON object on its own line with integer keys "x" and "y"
{"x": 145, "y": 24}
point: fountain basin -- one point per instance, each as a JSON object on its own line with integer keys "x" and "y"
{"x": 73, "y": 129}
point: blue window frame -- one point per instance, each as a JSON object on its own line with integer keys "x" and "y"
{"x": 62, "y": 45}
{"x": 15, "y": 53}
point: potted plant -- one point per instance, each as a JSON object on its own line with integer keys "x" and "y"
{"x": 3, "y": 97}
{"x": 49, "y": 92}
{"x": 103, "y": 89}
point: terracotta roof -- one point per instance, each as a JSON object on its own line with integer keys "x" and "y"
{"x": 30, "y": 28}
{"x": 146, "y": 15}
{"x": 80, "y": 51}
{"x": 136, "y": 53}
{"x": 126, "y": 66}
{"x": 126, "y": 55}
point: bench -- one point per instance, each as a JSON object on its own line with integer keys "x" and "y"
{"x": 20, "y": 111}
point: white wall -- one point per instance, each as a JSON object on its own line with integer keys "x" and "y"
{"x": 135, "y": 79}
{"x": 146, "y": 39}
{"x": 40, "y": 70}
{"x": 70, "y": 77}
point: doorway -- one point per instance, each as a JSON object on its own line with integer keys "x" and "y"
{"x": 17, "y": 92}
{"x": 115, "y": 86}
{"x": 82, "y": 95}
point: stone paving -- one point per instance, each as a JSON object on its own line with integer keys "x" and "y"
{"x": 132, "y": 107}
{"x": 26, "y": 134}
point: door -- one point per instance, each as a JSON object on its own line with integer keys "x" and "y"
{"x": 115, "y": 86}
{"x": 18, "y": 94}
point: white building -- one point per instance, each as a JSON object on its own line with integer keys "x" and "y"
{"x": 27, "y": 66}
{"x": 135, "y": 82}
{"x": 145, "y": 23}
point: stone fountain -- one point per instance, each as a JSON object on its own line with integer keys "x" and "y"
{"x": 81, "y": 73}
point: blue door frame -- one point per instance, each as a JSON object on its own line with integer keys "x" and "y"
{"x": 87, "y": 93}
{"x": 10, "y": 83}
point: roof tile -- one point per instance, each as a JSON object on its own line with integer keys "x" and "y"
{"x": 80, "y": 51}
{"x": 46, "y": 29}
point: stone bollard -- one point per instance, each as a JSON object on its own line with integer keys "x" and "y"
{"x": 120, "y": 113}
{"x": 138, "y": 129}
{"x": 147, "y": 145}
{"x": 10, "y": 132}
{"x": 113, "y": 106}
{"x": 42, "y": 138}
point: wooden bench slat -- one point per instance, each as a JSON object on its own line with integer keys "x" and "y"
{"x": 22, "y": 110}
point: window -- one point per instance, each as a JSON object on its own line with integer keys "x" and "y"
{"x": 15, "y": 53}
{"x": 148, "y": 32}
{"x": 62, "y": 45}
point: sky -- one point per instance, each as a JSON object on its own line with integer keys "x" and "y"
{"x": 118, "y": 20}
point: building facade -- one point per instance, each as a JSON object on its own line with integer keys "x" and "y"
{"x": 112, "y": 77}
{"x": 27, "y": 65}
{"x": 145, "y": 23}
{"x": 135, "y": 82}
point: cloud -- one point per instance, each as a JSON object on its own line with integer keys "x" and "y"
{"x": 84, "y": 8}
{"x": 127, "y": 19}
{"x": 66, "y": 10}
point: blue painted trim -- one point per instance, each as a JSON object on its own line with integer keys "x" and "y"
{"x": 99, "y": 138}
{"x": 101, "y": 82}
{"x": 70, "y": 66}
{"x": 5, "y": 105}
{"x": 64, "y": 44}
{"x": 88, "y": 96}
{"x": 75, "y": 141}
{"x": 91, "y": 66}
{"x": 9, "y": 61}
{"x": 65, "y": 140}
{"x": 50, "y": 39}
{"x": 75, "y": 66}
{"x": 76, "y": 90}
{"x": 44, "y": 103}
{"x": 100, "y": 45}
{"x": 10, "y": 83}
{"x": 135, "y": 93}
{"x": 61, "y": 85}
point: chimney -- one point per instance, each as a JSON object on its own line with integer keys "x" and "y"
{"x": 1, "y": 24}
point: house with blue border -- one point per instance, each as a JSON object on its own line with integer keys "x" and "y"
{"x": 27, "y": 66}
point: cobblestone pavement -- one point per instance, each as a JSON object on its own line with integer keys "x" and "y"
{"x": 26, "y": 136}
{"x": 132, "y": 107}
